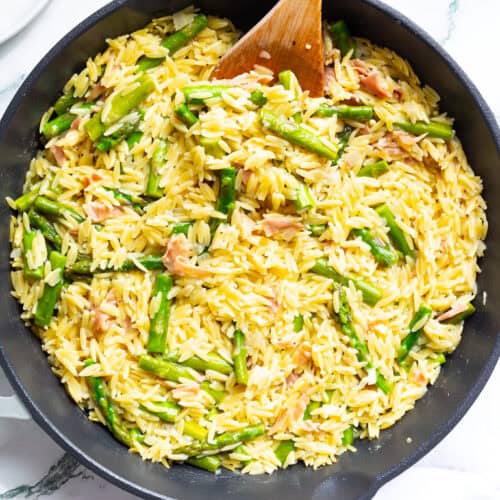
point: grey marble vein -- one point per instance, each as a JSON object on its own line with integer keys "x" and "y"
{"x": 65, "y": 469}
{"x": 453, "y": 7}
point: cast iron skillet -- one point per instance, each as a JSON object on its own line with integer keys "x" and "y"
{"x": 356, "y": 475}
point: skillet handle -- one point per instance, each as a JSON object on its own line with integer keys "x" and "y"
{"x": 11, "y": 407}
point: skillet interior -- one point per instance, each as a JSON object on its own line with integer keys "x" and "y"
{"x": 356, "y": 475}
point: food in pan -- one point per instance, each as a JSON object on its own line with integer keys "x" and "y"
{"x": 232, "y": 273}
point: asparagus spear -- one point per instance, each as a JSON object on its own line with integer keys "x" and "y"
{"x": 198, "y": 94}
{"x": 345, "y": 112}
{"x": 212, "y": 147}
{"x": 64, "y": 103}
{"x": 240, "y": 358}
{"x": 210, "y": 463}
{"x": 348, "y": 436}
{"x": 51, "y": 207}
{"x": 157, "y": 341}
{"x": 313, "y": 405}
{"x": 150, "y": 262}
{"x": 374, "y": 169}
{"x": 298, "y": 323}
{"x": 283, "y": 450}
{"x": 133, "y": 138}
{"x": 296, "y": 134}
{"x": 48, "y": 230}
{"x": 158, "y": 159}
{"x": 344, "y": 319}
{"x": 289, "y": 81}
{"x": 58, "y": 125}
{"x": 258, "y": 98}
{"x": 382, "y": 252}
{"x": 432, "y": 129}
{"x": 124, "y": 102}
{"x": 342, "y": 38}
{"x": 227, "y": 191}
{"x": 95, "y": 128}
{"x": 136, "y": 202}
{"x": 316, "y": 229}
{"x": 164, "y": 410}
{"x": 217, "y": 394}
{"x": 185, "y": 115}
{"x": 195, "y": 430}
{"x": 100, "y": 394}
{"x": 343, "y": 141}
{"x": 127, "y": 128}
{"x": 212, "y": 362}
{"x": 303, "y": 198}
{"x": 401, "y": 241}
{"x": 36, "y": 273}
{"x": 26, "y": 200}
{"x": 47, "y": 302}
{"x": 181, "y": 228}
{"x": 230, "y": 438}
{"x": 459, "y": 317}
{"x": 175, "y": 41}
{"x": 419, "y": 320}
{"x": 371, "y": 294}
{"x": 165, "y": 369}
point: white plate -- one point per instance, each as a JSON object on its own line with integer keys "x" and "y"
{"x": 17, "y": 15}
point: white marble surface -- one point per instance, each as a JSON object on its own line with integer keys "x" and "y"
{"x": 464, "y": 466}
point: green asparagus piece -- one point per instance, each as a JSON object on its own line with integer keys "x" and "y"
{"x": 344, "y": 319}
{"x": 342, "y": 38}
{"x": 198, "y": 94}
{"x": 217, "y": 394}
{"x": 295, "y": 134}
{"x": 164, "y": 369}
{"x": 133, "y": 138}
{"x": 51, "y": 207}
{"x": 106, "y": 143}
{"x": 432, "y": 129}
{"x": 47, "y": 302}
{"x": 175, "y": 41}
{"x": 313, "y": 405}
{"x": 210, "y": 463}
{"x": 26, "y": 200}
{"x": 195, "y": 430}
{"x": 348, "y": 437}
{"x": 150, "y": 262}
{"x": 258, "y": 98}
{"x": 58, "y": 125}
{"x": 415, "y": 327}
{"x": 371, "y": 294}
{"x": 298, "y": 323}
{"x": 297, "y": 117}
{"x": 303, "y": 198}
{"x": 181, "y": 228}
{"x": 440, "y": 358}
{"x": 95, "y": 128}
{"x": 227, "y": 191}
{"x": 283, "y": 450}
{"x": 401, "y": 241}
{"x": 240, "y": 358}
{"x": 164, "y": 410}
{"x": 288, "y": 79}
{"x": 382, "y": 252}
{"x": 136, "y": 202}
{"x": 374, "y": 169}
{"x": 123, "y": 102}
{"x": 316, "y": 229}
{"x": 459, "y": 317}
{"x": 212, "y": 362}
{"x": 185, "y": 115}
{"x": 212, "y": 147}
{"x": 229, "y": 438}
{"x": 157, "y": 341}
{"x": 343, "y": 141}
{"x": 100, "y": 394}
{"x": 345, "y": 112}
{"x": 48, "y": 230}
{"x": 158, "y": 159}
{"x": 37, "y": 273}
{"x": 64, "y": 103}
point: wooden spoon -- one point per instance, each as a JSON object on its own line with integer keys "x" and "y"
{"x": 288, "y": 37}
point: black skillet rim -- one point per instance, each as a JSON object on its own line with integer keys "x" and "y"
{"x": 380, "y": 479}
